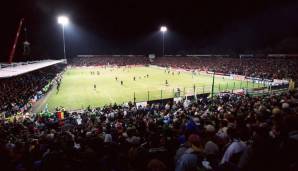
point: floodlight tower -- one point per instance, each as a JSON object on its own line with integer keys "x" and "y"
{"x": 163, "y": 30}
{"x": 63, "y": 21}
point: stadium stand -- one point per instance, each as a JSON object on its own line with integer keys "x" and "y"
{"x": 230, "y": 133}
{"x": 119, "y": 60}
{"x": 19, "y": 92}
{"x": 254, "y": 67}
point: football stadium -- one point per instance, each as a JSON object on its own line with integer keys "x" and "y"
{"x": 136, "y": 86}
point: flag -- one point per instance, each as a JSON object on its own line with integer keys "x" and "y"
{"x": 60, "y": 115}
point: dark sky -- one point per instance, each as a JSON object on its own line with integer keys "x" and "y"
{"x": 131, "y": 26}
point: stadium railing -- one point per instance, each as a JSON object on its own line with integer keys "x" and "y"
{"x": 244, "y": 87}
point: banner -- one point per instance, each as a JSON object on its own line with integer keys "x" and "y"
{"x": 237, "y": 77}
{"x": 277, "y": 81}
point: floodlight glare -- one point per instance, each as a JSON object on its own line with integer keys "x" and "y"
{"x": 163, "y": 29}
{"x": 63, "y": 20}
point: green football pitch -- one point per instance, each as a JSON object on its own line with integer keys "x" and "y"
{"x": 77, "y": 90}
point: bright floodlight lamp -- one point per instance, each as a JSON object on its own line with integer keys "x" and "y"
{"x": 63, "y": 20}
{"x": 163, "y": 29}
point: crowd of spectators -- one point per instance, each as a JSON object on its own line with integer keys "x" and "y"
{"x": 232, "y": 132}
{"x": 267, "y": 68}
{"x": 16, "y": 92}
{"x": 109, "y": 60}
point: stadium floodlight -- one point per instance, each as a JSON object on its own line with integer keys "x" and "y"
{"x": 63, "y": 21}
{"x": 163, "y": 29}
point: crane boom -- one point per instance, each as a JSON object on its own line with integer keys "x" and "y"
{"x": 13, "y": 49}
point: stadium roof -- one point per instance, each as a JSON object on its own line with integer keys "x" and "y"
{"x": 10, "y": 70}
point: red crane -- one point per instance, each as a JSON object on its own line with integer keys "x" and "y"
{"x": 13, "y": 49}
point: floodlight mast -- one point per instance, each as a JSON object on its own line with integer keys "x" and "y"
{"x": 63, "y": 21}
{"x": 163, "y": 29}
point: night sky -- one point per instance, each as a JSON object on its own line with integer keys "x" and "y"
{"x": 132, "y": 26}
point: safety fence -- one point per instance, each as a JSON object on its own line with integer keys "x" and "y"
{"x": 242, "y": 87}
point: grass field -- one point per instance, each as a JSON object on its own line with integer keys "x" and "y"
{"x": 77, "y": 87}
